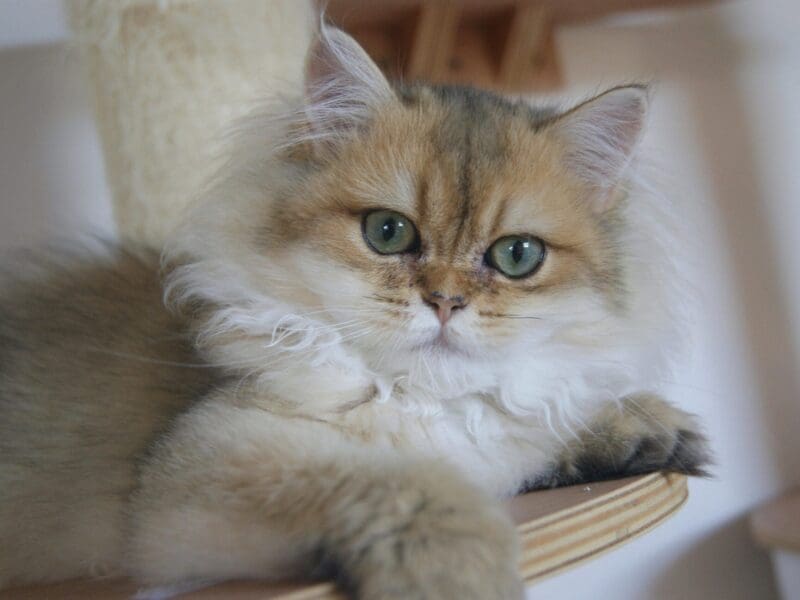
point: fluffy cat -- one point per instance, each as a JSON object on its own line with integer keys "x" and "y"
{"x": 394, "y": 305}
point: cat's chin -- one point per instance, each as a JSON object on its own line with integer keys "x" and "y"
{"x": 444, "y": 343}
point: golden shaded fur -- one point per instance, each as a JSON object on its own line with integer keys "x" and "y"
{"x": 92, "y": 366}
{"x": 303, "y": 410}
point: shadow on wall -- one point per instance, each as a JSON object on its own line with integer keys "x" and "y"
{"x": 701, "y": 563}
{"x": 50, "y": 165}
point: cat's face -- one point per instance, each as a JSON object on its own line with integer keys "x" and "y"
{"x": 425, "y": 220}
{"x": 451, "y": 224}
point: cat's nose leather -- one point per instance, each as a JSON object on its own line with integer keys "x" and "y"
{"x": 444, "y": 306}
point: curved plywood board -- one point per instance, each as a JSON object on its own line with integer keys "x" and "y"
{"x": 570, "y": 525}
{"x": 559, "y": 529}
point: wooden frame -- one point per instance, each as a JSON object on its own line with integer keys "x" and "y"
{"x": 502, "y": 44}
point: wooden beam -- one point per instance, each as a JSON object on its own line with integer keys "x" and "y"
{"x": 502, "y": 44}
{"x": 347, "y": 13}
{"x": 433, "y": 40}
{"x": 527, "y": 46}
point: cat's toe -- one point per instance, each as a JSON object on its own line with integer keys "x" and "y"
{"x": 649, "y": 453}
{"x": 691, "y": 454}
{"x": 681, "y": 451}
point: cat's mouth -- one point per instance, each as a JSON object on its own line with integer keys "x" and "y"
{"x": 443, "y": 341}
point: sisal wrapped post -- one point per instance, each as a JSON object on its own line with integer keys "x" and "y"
{"x": 168, "y": 76}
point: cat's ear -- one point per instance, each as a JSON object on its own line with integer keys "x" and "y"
{"x": 343, "y": 86}
{"x": 599, "y": 137}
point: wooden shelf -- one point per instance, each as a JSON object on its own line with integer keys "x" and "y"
{"x": 508, "y": 45}
{"x": 558, "y": 529}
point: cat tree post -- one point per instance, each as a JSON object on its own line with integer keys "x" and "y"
{"x": 167, "y": 77}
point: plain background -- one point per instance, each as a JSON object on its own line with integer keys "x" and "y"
{"x": 725, "y": 131}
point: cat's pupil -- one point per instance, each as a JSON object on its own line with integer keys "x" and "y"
{"x": 518, "y": 250}
{"x": 389, "y": 229}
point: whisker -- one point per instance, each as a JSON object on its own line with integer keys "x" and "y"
{"x": 509, "y": 316}
{"x": 393, "y": 343}
{"x": 154, "y": 361}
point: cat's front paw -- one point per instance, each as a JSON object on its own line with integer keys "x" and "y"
{"x": 641, "y": 434}
{"x": 446, "y": 552}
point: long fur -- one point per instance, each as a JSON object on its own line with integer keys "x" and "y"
{"x": 300, "y": 408}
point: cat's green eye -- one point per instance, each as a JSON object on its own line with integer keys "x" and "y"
{"x": 516, "y": 256}
{"x": 389, "y": 232}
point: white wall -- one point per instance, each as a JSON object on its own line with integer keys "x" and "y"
{"x": 27, "y": 22}
{"x": 727, "y": 129}
{"x": 51, "y": 168}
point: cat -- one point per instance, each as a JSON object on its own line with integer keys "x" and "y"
{"x": 394, "y": 305}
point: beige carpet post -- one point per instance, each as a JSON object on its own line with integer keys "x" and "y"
{"x": 167, "y": 77}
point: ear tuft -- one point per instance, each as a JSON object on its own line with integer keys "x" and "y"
{"x": 343, "y": 86}
{"x": 601, "y": 135}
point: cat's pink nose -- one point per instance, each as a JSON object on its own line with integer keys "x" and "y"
{"x": 444, "y": 306}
